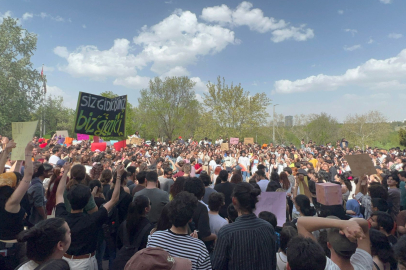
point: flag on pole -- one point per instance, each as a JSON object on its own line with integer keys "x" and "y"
{"x": 42, "y": 72}
{"x": 45, "y": 87}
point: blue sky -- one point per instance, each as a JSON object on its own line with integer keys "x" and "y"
{"x": 311, "y": 56}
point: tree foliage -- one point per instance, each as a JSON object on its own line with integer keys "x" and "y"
{"x": 323, "y": 128}
{"x": 402, "y": 137}
{"x": 234, "y": 110}
{"x": 57, "y": 117}
{"x": 20, "y": 83}
{"x": 364, "y": 129}
{"x": 170, "y": 106}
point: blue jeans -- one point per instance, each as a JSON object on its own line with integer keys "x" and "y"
{"x": 244, "y": 176}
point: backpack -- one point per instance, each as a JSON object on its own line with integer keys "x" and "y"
{"x": 127, "y": 251}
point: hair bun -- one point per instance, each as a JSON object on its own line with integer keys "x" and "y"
{"x": 31, "y": 234}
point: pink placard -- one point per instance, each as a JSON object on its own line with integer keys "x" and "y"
{"x": 234, "y": 140}
{"x": 274, "y": 202}
{"x": 83, "y": 137}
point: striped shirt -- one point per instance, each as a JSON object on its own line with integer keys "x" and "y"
{"x": 246, "y": 244}
{"x": 184, "y": 246}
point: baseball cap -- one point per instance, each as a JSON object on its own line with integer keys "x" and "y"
{"x": 301, "y": 171}
{"x": 155, "y": 258}
{"x": 61, "y": 162}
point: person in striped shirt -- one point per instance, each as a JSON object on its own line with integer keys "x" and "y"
{"x": 176, "y": 240}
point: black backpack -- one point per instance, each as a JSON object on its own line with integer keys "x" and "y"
{"x": 127, "y": 251}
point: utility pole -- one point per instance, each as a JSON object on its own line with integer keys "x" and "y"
{"x": 273, "y": 126}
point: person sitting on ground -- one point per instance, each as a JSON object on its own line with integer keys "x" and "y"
{"x": 176, "y": 241}
{"x": 49, "y": 239}
{"x": 248, "y": 235}
{"x": 84, "y": 228}
{"x": 216, "y": 200}
{"x": 348, "y": 241}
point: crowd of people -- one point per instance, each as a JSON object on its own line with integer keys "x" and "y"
{"x": 190, "y": 204}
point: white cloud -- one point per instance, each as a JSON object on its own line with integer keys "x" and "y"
{"x": 134, "y": 82}
{"x": 27, "y": 16}
{"x": 340, "y": 12}
{"x": 245, "y": 15}
{"x": 5, "y": 15}
{"x": 386, "y": 1}
{"x": 91, "y": 62}
{"x": 46, "y": 69}
{"x": 352, "y": 48}
{"x": 295, "y": 33}
{"x": 179, "y": 40}
{"x": 352, "y": 31}
{"x": 373, "y": 73}
{"x": 68, "y": 100}
{"x": 44, "y": 15}
{"x": 84, "y": 26}
{"x": 169, "y": 2}
{"x": 200, "y": 85}
{"x": 395, "y": 35}
{"x": 177, "y": 71}
{"x": 370, "y": 41}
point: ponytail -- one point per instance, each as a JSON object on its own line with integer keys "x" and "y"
{"x": 246, "y": 195}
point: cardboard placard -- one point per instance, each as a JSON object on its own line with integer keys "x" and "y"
{"x": 234, "y": 140}
{"x": 62, "y": 133}
{"x": 68, "y": 141}
{"x": 329, "y": 194}
{"x": 136, "y": 141}
{"x": 22, "y": 133}
{"x": 119, "y": 145}
{"x": 274, "y": 202}
{"x": 82, "y": 137}
{"x": 100, "y": 116}
{"x": 248, "y": 141}
{"x": 224, "y": 147}
{"x": 360, "y": 165}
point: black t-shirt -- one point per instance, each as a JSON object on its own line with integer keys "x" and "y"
{"x": 11, "y": 224}
{"x": 124, "y": 201}
{"x": 227, "y": 189}
{"x": 392, "y": 239}
{"x": 99, "y": 201}
{"x": 201, "y": 220}
{"x": 141, "y": 224}
{"x": 84, "y": 229}
{"x": 106, "y": 189}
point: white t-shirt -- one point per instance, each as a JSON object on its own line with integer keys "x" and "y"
{"x": 216, "y": 223}
{"x": 30, "y": 265}
{"x": 360, "y": 260}
{"x": 263, "y": 184}
{"x": 54, "y": 159}
{"x": 244, "y": 161}
{"x": 281, "y": 260}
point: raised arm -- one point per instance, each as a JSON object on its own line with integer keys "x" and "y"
{"x": 116, "y": 192}
{"x": 62, "y": 185}
{"x": 13, "y": 203}
{"x": 3, "y": 156}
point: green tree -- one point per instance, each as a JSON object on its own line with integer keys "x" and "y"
{"x": 170, "y": 106}
{"x": 20, "y": 83}
{"x": 364, "y": 129}
{"x": 57, "y": 116}
{"x": 131, "y": 122}
{"x": 235, "y": 110}
{"x": 323, "y": 128}
{"x": 402, "y": 137}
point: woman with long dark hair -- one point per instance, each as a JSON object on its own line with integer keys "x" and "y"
{"x": 12, "y": 191}
{"x": 133, "y": 232}
{"x": 52, "y": 187}
{"x": 177, "y": 187}
{"x": 284, "y": 181}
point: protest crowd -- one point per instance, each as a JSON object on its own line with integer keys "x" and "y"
{"x": 200, "y": 204}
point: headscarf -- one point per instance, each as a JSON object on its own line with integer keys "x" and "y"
{"x": 8, "y": 179}
{"x": 354, "y": 206}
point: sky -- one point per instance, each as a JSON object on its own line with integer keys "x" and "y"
{"x": 339, "y": 57}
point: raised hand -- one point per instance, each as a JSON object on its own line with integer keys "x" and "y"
{"x": 10, "y": 145}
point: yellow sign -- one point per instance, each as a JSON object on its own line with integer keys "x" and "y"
{"x": 22, "y": 132}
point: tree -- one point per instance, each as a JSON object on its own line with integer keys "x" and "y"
{"x": 402, "y": 137}
{"x": 131, "y": 123}
{"x": 323, "y": 128}
{"x": 57, "y": 116}
{"x": 20, "y": 83}
{"x": 170, "y": 105}
{"x": 363, "y": 129}
{"x": 301, "y": 126}
{"x": 234, "y": 109}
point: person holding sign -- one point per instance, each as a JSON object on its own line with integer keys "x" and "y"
{"x": 12, "y": 191}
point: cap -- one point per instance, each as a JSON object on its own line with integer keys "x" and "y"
{"x": 155, "y": 258}
{"x": 61, "y": 162}
{"x": 238, "y": 168}
{"x": 341, "y": 244}
{"x": 301, "y": 171}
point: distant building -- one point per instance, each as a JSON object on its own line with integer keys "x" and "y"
{"x": 289, "y": 121}
{"x": 281, "y": 124}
